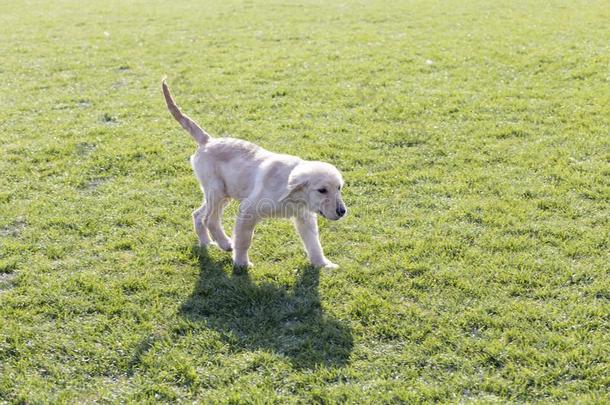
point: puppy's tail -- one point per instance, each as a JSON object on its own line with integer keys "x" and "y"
{"x": 191, "y": 126}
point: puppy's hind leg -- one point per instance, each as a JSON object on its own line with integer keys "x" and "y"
{"x": 242, "y": 236}
{"x": 216, "y": 202}
{"x": 200, "y": 229}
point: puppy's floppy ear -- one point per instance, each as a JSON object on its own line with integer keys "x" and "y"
{"x": 298, "y": 179}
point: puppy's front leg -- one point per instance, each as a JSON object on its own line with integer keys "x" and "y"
{"x": 307, "y": 226}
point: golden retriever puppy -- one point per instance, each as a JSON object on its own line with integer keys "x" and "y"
{"x": 267, "y": 184}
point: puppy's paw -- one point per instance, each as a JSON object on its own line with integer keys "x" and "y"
{"x": 206, "y": 245}
{"x": 226, "y": 246}
{"x": 327, "y": 264}
{"x": 242, "y": 265}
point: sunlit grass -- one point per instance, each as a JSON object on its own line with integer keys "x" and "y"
{"x": 474, "y": 141}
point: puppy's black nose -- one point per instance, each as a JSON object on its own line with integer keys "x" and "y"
{"x": 341, "y": 211}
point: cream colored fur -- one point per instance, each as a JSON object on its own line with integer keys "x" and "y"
{"x": 267, "y": 184}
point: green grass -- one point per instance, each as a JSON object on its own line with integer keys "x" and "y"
{"x": 474, "y": 140}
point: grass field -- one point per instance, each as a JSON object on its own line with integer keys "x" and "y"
{"x": 474, "y": 138}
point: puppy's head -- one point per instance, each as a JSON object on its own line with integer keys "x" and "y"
{"x": 319, "y": 185}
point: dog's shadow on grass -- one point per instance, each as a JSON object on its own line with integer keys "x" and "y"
{"x": 285, "y": 320}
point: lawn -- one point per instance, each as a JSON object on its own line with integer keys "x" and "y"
{"x": 474, "y": 138}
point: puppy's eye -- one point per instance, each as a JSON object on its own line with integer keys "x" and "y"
{"x": 322, "y": 190}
